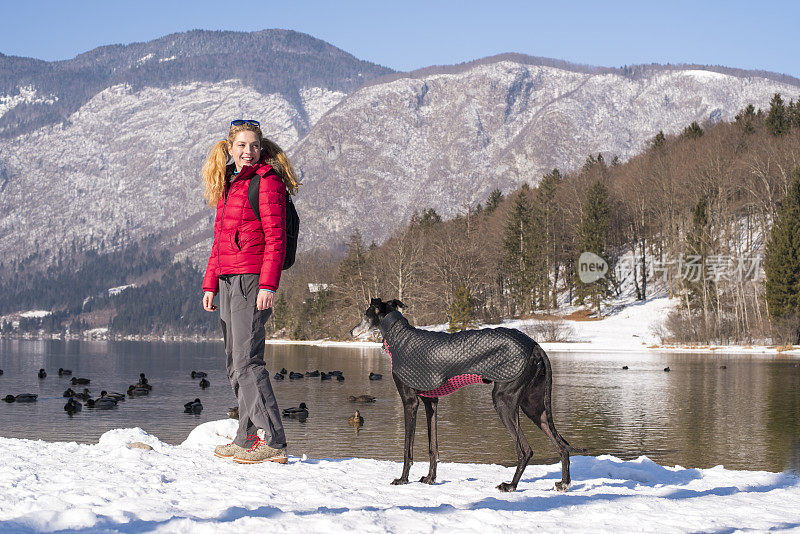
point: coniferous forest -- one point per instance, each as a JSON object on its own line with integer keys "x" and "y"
{"x": 710, "y": 216}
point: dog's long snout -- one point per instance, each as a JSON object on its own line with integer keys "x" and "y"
{"x": 361, "y": 328}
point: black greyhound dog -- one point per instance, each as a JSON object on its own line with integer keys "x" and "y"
{"x": 438, "y": 363}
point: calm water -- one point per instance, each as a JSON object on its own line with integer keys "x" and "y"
{"x": 744, "y": 417}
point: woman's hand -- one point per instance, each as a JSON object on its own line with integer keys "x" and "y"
{"x": 264, "y": 299}
{"x": 208, "y": 299}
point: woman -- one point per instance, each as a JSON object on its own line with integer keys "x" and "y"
{"x": 245, "y": 269}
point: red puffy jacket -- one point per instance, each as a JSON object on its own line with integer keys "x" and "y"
{"x": 242, "y": 243}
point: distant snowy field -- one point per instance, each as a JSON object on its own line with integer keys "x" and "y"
{"x": 109, "y": 487}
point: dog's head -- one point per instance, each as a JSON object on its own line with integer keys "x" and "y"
{"x": 373, "y": 315}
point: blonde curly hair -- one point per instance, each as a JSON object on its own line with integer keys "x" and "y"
{"x": 215, "y": 167}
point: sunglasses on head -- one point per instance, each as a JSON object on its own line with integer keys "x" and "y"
{"x": 239, "y": 122}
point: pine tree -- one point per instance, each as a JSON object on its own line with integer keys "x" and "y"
{"x": 699, "y": 244}
{"x": 793, "y": 114}
{"x": 659, "y": 139}
{"x": 776, "y": 120}
{"x": 522, "y": 250}
{"x": 693, "y": 131}
{"x": 495, "y": 197}
{"x": 545, "y": 199}
{"x": 462, "y": 311}
{"x": 745, "y": 118}
{"x": 281, "y": 313}
{"x": 782, "y": 259}
{"x": 593, "y": 237}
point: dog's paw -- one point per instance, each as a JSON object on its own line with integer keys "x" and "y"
{"x": 399, "y": 481}
{"x": 427, "y": 480}
{"x": 561, "y": 486}
{"x": 506, "y": 487}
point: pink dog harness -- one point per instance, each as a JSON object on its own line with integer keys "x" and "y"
{"x": 453, "y": 384}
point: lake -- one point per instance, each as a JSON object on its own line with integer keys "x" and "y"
{"x": 746, "y": 416}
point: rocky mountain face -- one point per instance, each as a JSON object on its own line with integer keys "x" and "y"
{"x": 371, "y": 146}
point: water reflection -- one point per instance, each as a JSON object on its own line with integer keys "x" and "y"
{"x": 746, "y": 416}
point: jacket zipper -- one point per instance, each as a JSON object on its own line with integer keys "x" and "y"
{"x": 221, "y": 225}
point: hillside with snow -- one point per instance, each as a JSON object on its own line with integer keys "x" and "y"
{"x": 122, "y": 161}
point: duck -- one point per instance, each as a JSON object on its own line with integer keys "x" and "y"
{"x": 204, "y": 383}
{"x": 137, "y": 391}
{"x": 101, "y": 403}
{"x": 278, "y": 376}
{"x": 62, "y": 371}
{"x": 283, "y": 370}
{"x": 116, "y": 396}
{"x": 314, "y": 373}
{"x": 723, "y": 366}
{"x": 1, "y": 372}
{"x": 375, "y": 376}
{"x": 325, "y": 376}
{"x": 143, "y": 382}
{"x": 69, "y": 393}
{"x": 22, "y": 397}
{"x": 356, "y": 419}
{"x": 72, "y": 406}
{"x": 301, "y": 412}
{"x": 42, "y": 373}
{"x": 84, "y": 395}
{"x": 361, "y": 398}
{"x": 194, "y": 406}
{"x": 295, "y": 376}
{"x": 666, "y": 369}
{"x": 339, "y": 378}
{"x": 82, "y": 381}
{"x": 335, "y": 373}
{"x": 233, "y": 413}
{"x": 199, "y": 374}
{"x": 624, "y": 367}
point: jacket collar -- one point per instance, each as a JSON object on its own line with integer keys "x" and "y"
{"x": 261, "y": 168}
{"x": 389, "y": 320}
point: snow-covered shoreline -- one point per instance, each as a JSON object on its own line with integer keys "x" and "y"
{"x": 110, "y": 487}
{"x": 631, "y": 328}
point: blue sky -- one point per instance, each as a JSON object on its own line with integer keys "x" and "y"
{"x": 411, "y": 34}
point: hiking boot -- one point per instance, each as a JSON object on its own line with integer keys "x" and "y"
{"x": 227, "y": 451}
{"x": 259, "y": 452}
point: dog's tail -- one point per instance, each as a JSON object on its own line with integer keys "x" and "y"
{"x": 548, "y": 409}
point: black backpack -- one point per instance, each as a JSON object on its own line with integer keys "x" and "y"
{"x": 292, "y": 220}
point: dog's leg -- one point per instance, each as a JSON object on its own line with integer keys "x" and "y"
{"x": 433, "y": 441}
{"x": 535, "y": 403}
{"x": 410, "y": 405}
{"x": 506, "y": 397}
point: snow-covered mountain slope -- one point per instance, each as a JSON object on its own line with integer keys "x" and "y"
{"x": 446, "y": 140}
{"x": 129, "y": 160}
{"x": 126, "y": 162}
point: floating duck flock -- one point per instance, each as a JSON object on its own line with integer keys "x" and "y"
{"x": 79, "y": 398}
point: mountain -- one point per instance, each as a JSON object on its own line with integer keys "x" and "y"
{"x": 36, "y": 93}
{"x": 445, "y": 137}
{"x": 106, "y": 148}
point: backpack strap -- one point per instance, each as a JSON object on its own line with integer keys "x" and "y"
{"x": 253, "y": 191}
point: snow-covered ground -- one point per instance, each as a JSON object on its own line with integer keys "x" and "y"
{"x": 628, "y": 326}
{"x": 109, "y": 487}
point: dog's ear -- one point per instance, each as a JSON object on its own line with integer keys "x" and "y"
{"x": 375, "y": 303}
{"x": 397, "y": 304}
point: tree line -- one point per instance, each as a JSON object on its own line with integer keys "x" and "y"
{"x": 691, "y": 216}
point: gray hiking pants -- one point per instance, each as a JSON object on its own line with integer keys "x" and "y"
{"x": 244, "y": 335}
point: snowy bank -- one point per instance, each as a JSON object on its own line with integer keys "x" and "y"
{"x": 109, "y": 487}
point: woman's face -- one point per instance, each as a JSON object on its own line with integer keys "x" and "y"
{"x": 246, "y": 149}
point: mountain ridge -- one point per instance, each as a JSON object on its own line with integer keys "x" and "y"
{"x": 441, "y": 137}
